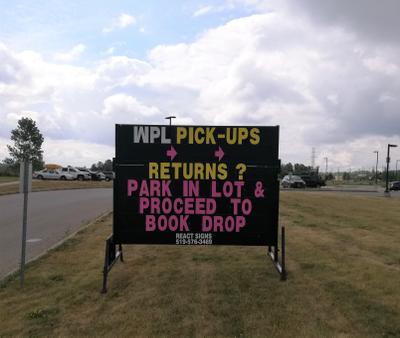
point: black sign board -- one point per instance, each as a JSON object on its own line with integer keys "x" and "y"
{"x": 196, "y": 185}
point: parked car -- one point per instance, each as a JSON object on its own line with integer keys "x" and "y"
{"x": 313, "y": 181}
{"x": 293, "y": 181}
{"x": 76, "y": 173}
{"x": 395, "y": 185}
{"x": 94, "y": 175}
{"x": 110, "y": 175}
{"x": 51, "y": 174}
{"x": 98, "y": 176}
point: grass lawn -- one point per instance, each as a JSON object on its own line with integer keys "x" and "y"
{"x": 5, "y": 179}
{"x": 43, "y": 185}
{"x": 343, "y": 281}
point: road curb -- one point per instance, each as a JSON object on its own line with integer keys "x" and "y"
{"x": 84, "y": 226}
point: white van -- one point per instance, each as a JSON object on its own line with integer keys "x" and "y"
{"x": 51, "y": 174}
{"x": 76, "y": 173}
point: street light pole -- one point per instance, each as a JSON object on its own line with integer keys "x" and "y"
{"x": 397, "y": 161}
{"x": 376, "y": 167}
{"x": 170, "y": 119}
{"x": 387, "y": 166}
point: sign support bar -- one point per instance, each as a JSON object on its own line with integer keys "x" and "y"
{"x": 280, "y": 266}
{"x": 25, "y": 188}
{"x": 111, "y": 257}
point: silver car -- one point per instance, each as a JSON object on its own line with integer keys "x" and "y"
{"x": 51, "y": 174}
{"x": 293, "y": 181}
{"x": 76, "y": 173}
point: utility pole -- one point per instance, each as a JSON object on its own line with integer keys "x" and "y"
{"x": 25, "y": 176}
{"x": 397, "y": 161}
{"x": 326, "y": 166}
{"x": 376, "y": 166}
{"x": 387, "y": 167}
{"x": 313, "y": 158}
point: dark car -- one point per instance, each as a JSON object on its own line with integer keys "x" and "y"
{"x": 313, "y": 181}
{"x": 395, "y": 185}
{"x": 97, "y": 175}
{"x": 94, "y": 175}
{"x": 110, "y": 175}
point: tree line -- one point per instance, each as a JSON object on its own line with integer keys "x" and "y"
{"x": 27, "y": 145}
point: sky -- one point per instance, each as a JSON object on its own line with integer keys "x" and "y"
{"x": 327, "y": 72}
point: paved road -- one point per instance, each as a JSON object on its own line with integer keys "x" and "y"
{"x": 52, "y": 216}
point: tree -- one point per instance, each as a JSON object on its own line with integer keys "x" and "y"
{"x": 28, "y": 142}
{"x": 100, "y": 166}
{"x": 8, "y": 167}
{"x": 346, "y": 176}
{"x": 286, "y": 169}
{"x": 108, "y": 165}
{"x": 300, "y": 168}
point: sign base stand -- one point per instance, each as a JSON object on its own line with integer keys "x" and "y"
{"x": 111, "y": 257}
{"x": 273, "y": 253}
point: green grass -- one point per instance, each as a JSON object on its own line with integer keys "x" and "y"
{"x": 5, "y": 179}
{"x": 343, "y": 281}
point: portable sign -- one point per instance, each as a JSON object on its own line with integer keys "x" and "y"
{"x": 196, "y": 185}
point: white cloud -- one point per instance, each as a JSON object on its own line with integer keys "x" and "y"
{"x": 379, "y": 64}
{"x": 324, "y": 85}
{"x": 3, "y": 148}
{"x": 73, "y": 54}
{"x": 76, "y": 153}
{"x": 68, "y": 151}
{"x": 357, "y": 154}
{"x": 202, "y": 11}
{"x": 126, "y": 20}
{"x": 127, "y": 106}
{"x": 122, "y": 21}
{"x": 372, "y": 20}
{"x": 110, "y": 51}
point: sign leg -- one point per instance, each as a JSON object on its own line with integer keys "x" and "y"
{"x": 273, "y": 254}
{"x": 110, "y": 258}
{"x": 283, "y": 252}
{"x": 121, "y": 257}
{"x": 105, "y": 269}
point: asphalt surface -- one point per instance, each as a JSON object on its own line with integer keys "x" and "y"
{"x": 52, "y": 215}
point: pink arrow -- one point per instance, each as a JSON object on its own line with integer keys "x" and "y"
{"x": 219, "y": 153}
{"x": 171, "y": 153}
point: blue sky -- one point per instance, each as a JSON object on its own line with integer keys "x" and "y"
{"x": 51, "y": 26}
{"x": 326, "y": 71}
